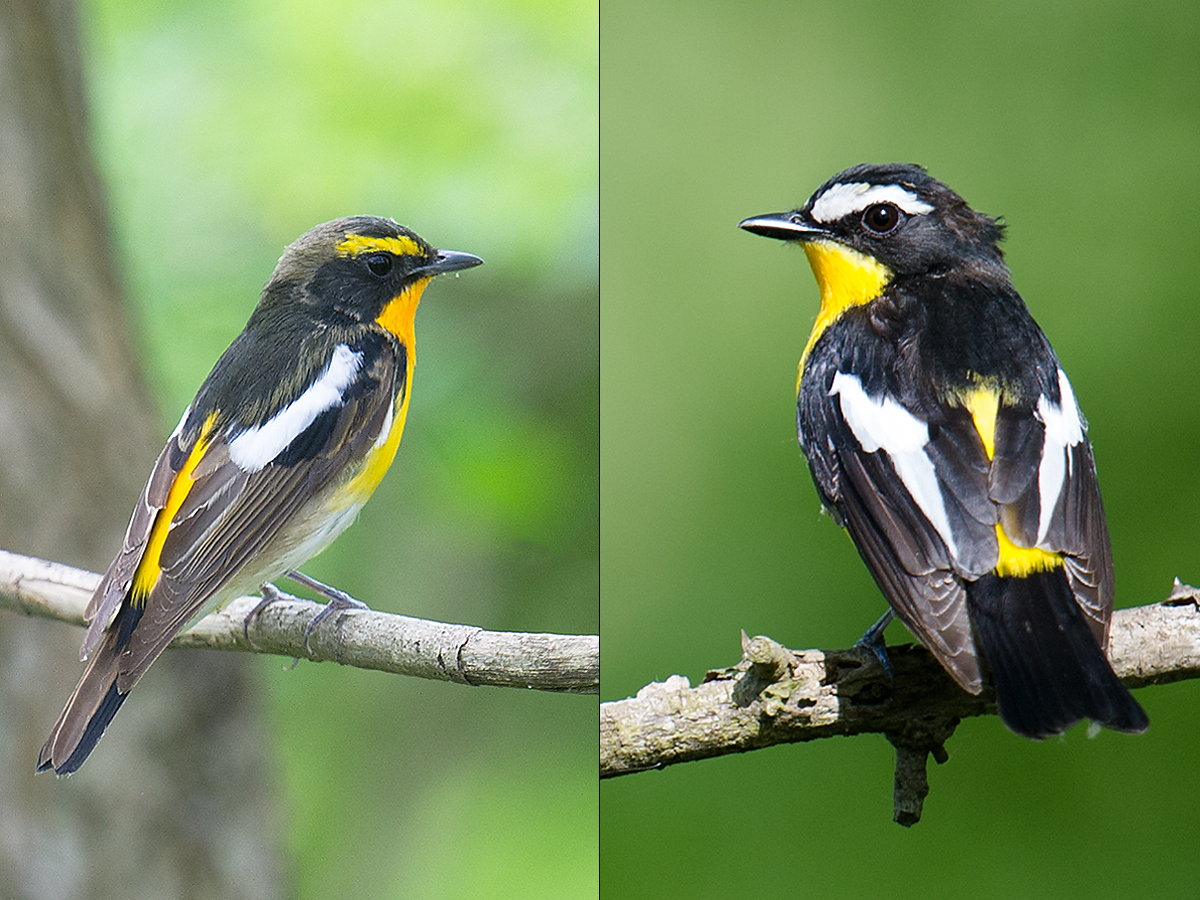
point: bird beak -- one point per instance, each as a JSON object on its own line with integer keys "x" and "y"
{"x": 449, "y": 261}
{"x": 787, "y": 226}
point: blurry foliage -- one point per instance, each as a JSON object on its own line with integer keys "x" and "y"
{"x": 226, "y": 129}
{"x": 1080, "y": 124}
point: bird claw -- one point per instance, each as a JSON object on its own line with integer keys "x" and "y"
{"x": 873, "y": 640}
{"x": 338, "y": 600}
{"x": 270, "y": 594}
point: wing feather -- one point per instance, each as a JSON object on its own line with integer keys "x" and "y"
{"x": 927, "y": 596}
{"x": 911, "y": 560}
{"x": 1074, "y": 520}
{"x": 106, "y": 602}
{"x": 230, "y": 516}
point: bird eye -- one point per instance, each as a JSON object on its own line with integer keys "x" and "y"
{"x": 379, "y": 264}
{"x": 881, "y": 217}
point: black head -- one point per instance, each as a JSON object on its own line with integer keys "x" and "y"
{"x": 357, "y": 266}
{"x": 894, "y": 213}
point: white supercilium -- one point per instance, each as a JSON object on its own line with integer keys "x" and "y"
{"x": 843, "y": 199}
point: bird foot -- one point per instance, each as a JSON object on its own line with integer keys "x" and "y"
{"x": 338, "y": 600}
{"x": 270, "y": 594}
{"x": 873, "y": 640}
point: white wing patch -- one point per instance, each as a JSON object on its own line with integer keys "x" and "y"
{"x": 843, "y": 199}
{"x": 179, "y": 428}
{"x": 885, "y": 424}
{"x": 258, "y": 445}
{"x": 386, "y": 431}
{"x": 1064, "y": 429}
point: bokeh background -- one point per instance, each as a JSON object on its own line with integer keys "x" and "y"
{"x": 1080, "y": 124}
{"x": 223, "y": 131}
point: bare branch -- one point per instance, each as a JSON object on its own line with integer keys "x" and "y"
{"x": 362, "y": 638}
{"x": 775, "y": 696}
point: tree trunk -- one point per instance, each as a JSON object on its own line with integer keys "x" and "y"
{"x": 175, "y": 800}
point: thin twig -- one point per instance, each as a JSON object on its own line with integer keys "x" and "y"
{"x": 362, "y": 638}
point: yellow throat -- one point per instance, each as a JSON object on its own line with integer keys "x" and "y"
{"x": 397, "y": 317}
{"x": 846, "y": 278}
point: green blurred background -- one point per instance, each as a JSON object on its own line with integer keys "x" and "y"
{"x": 224, "y": 130}
{"x": 1080, "y": 124}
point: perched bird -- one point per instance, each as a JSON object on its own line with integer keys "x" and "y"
{"x": 287, "y": 438}
{"x": 943, "y": 434}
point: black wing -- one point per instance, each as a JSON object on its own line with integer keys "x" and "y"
{"x": 228, "y": 515}
{"x": 920, "y": 566}
{"x": 1061, "y": 514}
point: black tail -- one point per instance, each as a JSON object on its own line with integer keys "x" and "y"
{"x": 1046, "y": 666}
{"x": 87, "y": 713}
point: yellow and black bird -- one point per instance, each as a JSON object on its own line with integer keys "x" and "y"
{"x": 287, "y": 438}
{"x": 943, "y": 434}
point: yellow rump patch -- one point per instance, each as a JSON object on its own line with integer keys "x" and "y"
{"x": 1018, "y": 562}
{"x": 356, "y": 244}
{"x": 983, "y": 402}
{"x": 846, "y": 278}
{"x": 149, "y": 566}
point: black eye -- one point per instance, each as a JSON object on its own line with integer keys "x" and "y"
{"x": 881, "y": 217}
{"x": 379, "y": 264}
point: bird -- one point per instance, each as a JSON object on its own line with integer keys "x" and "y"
{"x": 943, "y": 434}
{"x": 284, "y": 442}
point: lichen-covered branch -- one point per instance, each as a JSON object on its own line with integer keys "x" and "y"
{"x": 361, "y": 638}
{"x": 775, "y": 695}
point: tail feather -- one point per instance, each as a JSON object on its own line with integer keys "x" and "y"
{"x": 87, "y": 713}
{"x": 1048, "y": 670}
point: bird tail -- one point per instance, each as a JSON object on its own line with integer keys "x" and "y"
{"x": 1048, "y": 670}
{"x": 90, "y": 708}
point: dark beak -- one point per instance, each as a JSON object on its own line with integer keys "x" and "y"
{"x": 787, "y": 226}
{"x": 449, "y": 261}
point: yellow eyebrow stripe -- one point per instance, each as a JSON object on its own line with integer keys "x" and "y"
{"x": 357, "y": 244}
{"x": 149, "y": 567}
